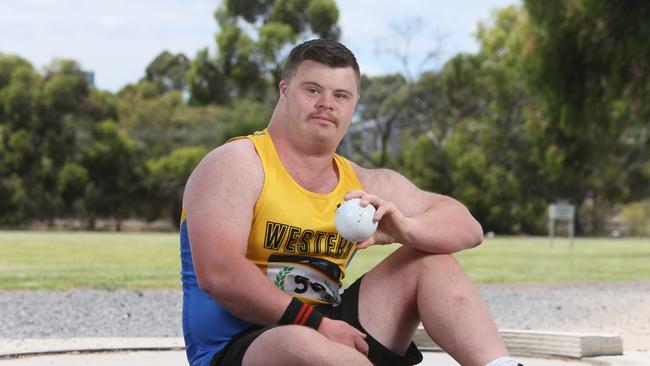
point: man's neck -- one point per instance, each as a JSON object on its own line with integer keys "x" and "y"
{"x": 313, "y": 170}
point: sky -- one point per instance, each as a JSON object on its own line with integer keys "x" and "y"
{"x": 117, "y": 39}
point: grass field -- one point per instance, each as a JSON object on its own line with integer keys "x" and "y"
{"x": 56, "y": 260}
{"x": 49, "y": 260}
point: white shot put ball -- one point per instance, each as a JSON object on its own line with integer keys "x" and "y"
{"x": 354, "y": 222}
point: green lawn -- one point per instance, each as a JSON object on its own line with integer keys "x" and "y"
{"x": 37, "y": 260}
{"x": 532, "y": 259}
{"x": 52, "y": 260}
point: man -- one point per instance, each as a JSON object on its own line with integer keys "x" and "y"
{"x": 262, "y": 263}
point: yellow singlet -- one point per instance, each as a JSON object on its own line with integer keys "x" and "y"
{"x": 293, "y": 238}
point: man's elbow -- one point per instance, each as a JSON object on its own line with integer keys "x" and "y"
{"x": 477, "y": 233}
{"x": 476, "y": 240}
{"x": 206, "y": 283}
{"x": 473, "y": 236}
{"x": 210, "y": 283}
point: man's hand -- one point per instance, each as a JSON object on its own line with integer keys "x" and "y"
{"x": 341, "y": 332}
{"x": 392, "y": 222}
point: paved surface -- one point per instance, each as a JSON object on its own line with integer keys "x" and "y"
{"x": 176, "y": 358}
{"x": 168, "y": 352}
{"x": 621, "y": 308}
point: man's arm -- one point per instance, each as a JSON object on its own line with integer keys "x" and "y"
{"x": 219, "y": 199}
{"x": 423, "y": 220}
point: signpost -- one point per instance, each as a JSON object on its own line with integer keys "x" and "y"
{"x": 561, "y": 212}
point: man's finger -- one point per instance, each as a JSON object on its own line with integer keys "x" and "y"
{"x": 364, "y": 244}
{"x": 372, "y": 240}
{"x": 361, "y": 345}
{"x": 356, "y": 193}
{"x": 379, "y": 214}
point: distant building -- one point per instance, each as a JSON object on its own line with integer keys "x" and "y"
{"x": 364, "y": 137}
{"x": 90, "y": 77}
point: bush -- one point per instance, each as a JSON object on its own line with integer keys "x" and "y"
{"x": 636, "y": 218}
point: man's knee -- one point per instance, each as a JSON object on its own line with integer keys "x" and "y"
{"x": 428, "y": 263}
{"x": 443, "y": 269}
{"x": 438, "y": 262}
{"x": 443, "y": 273}
{"x": 406, "y": 267}
{"x": 300, "y": 341}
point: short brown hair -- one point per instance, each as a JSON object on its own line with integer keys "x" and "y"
{"x": 324, "y": 51}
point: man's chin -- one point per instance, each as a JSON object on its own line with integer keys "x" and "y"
{"x": 325, "y": 134}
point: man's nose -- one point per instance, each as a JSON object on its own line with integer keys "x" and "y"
{"x": 325, "y": 101}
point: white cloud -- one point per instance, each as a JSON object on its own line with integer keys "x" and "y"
{"x": 111, "y": 21}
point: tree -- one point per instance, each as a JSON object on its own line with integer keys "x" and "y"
{"x": 253, "y": 40}
{"x": 381, "y": 109}
{"x": 71, "y": 182}
{"x": 471, "y": 117}
{"x": 115, "y": 174}
{"x": 166, "y": 180}
{"x": 385, "y": 109}
{"x": 244, "y": 117}
{"x": 54, "y": 135}
{"x": 588, "y": 64}
{"x": 161, "y": 122}
{"x": 150, "y": 115}
{"x": 169, "y": 71}
{"x": 207, "y": 83}
{"x": 34, "y": 140}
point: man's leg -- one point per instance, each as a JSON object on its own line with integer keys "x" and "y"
{"x": 411, "y": 286}
{"x": 299, "y": 345}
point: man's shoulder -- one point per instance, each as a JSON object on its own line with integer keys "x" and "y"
{"x": 242, "y": 148}
{"x": 234, "y": 153}
{"x": 375, "y": 178}
{"x": 235, "y": 160}
{"x": 372, "y": 173}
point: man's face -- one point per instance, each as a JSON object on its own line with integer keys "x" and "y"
{"x": 320, "y": 101}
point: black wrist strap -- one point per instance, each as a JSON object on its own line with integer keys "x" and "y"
{"x": 301, "y": 314}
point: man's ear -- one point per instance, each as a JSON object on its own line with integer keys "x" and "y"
{"x": 282, "y": 87}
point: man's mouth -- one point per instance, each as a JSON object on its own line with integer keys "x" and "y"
{"x": 324, "y": 118}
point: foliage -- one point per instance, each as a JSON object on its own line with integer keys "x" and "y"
{"x": 380, "y": 112}
{"x": 115, "y": 173}
{"x": 168, "y": 71}
{"x": 207, "y": 83}
{"x": 253, "y": 39}
{"x": 41, "y": 117}
{"x": 588, "y": 64}
{"x": 71, "y": 184}
{"x": 554, "y": 106}
{"x": 166, "y": 180}
{"x": 636, "y": 218}
{"x": 245, "y": 117}
{"x": 524, "y": 122}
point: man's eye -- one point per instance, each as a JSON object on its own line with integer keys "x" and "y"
{"x": 312, "y": 91}
{"x": 340, "y": 96}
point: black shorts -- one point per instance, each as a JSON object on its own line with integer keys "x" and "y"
{"x": 233, "y": 352}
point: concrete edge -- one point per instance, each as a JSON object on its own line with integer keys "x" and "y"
{"x": 13, "y": 348}
{"x": 547, "y": 343}
{"x": 87, "y": 351}
{"x": 519, "y": 342}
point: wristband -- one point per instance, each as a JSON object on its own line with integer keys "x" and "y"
{"x": 301, "y": 314}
